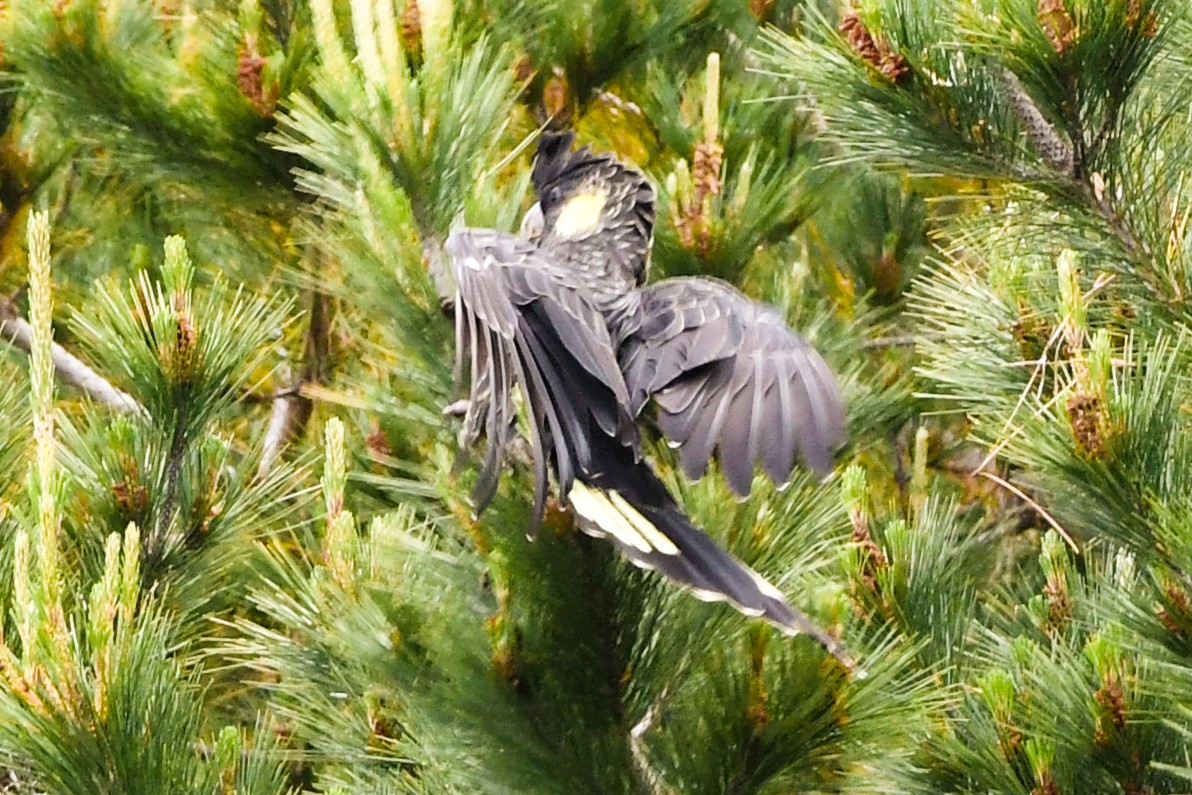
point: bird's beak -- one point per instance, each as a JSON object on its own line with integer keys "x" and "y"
{"x": 533, "y": 223}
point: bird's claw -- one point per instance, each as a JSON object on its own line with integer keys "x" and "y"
{"x": 457, "y": 409}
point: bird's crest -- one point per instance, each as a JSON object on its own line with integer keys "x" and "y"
{"x": 593, "y": 207}
{"x": 555, "y": 159}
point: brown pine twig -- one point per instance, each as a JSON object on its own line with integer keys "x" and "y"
{"x": 291, "y": 408}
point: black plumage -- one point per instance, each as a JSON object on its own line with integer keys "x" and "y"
{"x": 728, "y": 375}
{"x": 520, "y": 322}
{"x": 695, "y": 560}
{"x": 562, "y": 315}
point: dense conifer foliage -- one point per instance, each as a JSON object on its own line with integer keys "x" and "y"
{"x": 237, "y": 553}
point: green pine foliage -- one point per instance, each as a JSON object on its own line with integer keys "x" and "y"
{"x": 236, "y": 549}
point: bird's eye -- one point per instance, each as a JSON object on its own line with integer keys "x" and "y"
{"x": 554, "y": 195}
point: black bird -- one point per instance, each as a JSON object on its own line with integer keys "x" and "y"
{"x": 561, "y": 312}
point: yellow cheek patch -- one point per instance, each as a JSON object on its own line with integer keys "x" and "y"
{"x": 580, "y": 214}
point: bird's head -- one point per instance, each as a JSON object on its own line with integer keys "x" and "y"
{"x": 590, "y": 201}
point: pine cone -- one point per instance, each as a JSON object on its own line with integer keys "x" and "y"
{"x": 1057, "y": 24}
{"x": 1150, "y": 23}
{"x": 1084, "y": 412}
{"x": 411, "y": 28}
{"x": 250, "y": 79}
{"x": 873, "y": 50}
{"x": 705, "y": 170}
{"x": 1054, "y": 150}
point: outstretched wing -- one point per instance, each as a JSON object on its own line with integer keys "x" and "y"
{"x": 729, "y": 375}
{"x": 519, "y": 322}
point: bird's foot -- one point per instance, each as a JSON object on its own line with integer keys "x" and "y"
{"x": 457, "y": 409}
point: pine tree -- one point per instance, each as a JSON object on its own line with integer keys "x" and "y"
{"x": 236, "y": 550}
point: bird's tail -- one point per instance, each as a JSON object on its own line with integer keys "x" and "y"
{"x": 630, "y": 505}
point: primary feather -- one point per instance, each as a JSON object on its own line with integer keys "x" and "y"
{"x": 564, "y": 318}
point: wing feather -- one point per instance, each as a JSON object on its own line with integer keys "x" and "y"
{"x": 697, "y": 450}
{"x": 779, "y": 457}
{"x": 738, "y": 435}
{"x": 730, "y": 379}
{"x": 545, "y": 414}
{"x": 479, "y": 351}
{"x": 520, "y": 323}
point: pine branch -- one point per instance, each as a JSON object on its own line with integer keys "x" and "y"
{"x": 896, "y": 341}
{"x": 291, "y": 408}
{"x": 1067, "y": 160}
{"x": 173, "y": 469}
{"x": 67, "y": 367}
{"x": 1114, "y": 221}
{"x": 281, "y": 428}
